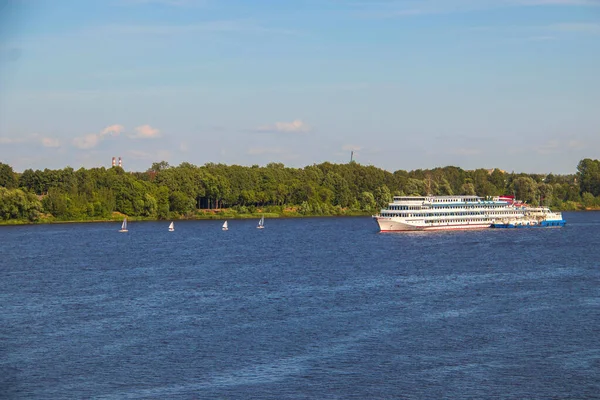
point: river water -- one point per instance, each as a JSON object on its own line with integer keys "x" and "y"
{"x": 315, "y": 308}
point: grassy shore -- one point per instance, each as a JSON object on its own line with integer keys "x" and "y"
{"x": 198, "y": 215}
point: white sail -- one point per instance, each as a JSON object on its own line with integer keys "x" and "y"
{"x": 225, "y": 226}
{"x": 124, "y": 226}
{"x": 171, "y": 227}
{"x": 261, "y": 223}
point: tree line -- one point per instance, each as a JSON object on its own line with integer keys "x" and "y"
{"x": 188, "y": 191}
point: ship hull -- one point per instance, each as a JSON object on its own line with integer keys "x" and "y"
{"x": 389, "y": 225}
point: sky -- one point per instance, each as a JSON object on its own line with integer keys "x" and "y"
{"x": 405, "y": 84}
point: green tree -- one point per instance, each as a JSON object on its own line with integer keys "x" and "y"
{"x": 588, "y": 173}
{"x": 498, "y": 179}
{"x": 367, "y": 201}
{"x": 159, "y": 166}
{"x": 162, "y": 202}
{"x": 468, "y": 189}
{"x": 383, "y": 196}
{"x": 181, "y": 203}
{"x": 525, "y": 189}
{"x": 588, "y": 200}
{"x": 17, "y": 204}
{"x": 7, "y": 176}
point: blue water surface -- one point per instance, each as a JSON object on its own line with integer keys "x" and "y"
{"x": 316, "y": 308}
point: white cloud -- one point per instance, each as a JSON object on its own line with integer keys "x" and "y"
{"x": 86, "y": 142}
{"x": 50, "y": 142}
{"x": 576, "y": 144}
{"x": 550, "y": 147}
{"x": 7, "y": 140}
{"x": 296, "y": 126}
{"x": 146, "y": 132}
{"x": 112, "y": 130}
{"x": 35, "y": 138}
{"x": 92, "y": 139}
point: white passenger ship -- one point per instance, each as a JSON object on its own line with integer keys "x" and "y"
{"x": 417, "y": 213}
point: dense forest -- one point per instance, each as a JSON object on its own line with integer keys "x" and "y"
{"x": 217, "y": 190}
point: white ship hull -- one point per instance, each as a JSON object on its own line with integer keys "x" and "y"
{"x": 391, "y": 225}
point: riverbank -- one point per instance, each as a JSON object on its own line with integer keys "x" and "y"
{"x": 213, "y": 214}
{"x": 221, "y": 214}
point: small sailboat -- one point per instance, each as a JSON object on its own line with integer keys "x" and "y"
{"x": 225, "y": 226}
{"x": 261, "y": 223}
{"x": 171, "y": 227}
{"x": 124, "y": 226}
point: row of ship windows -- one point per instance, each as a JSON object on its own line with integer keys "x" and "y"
{"x": 438, "y": 221}
{"x": 470, "y": 200}
{"x": 447, "y": 214}
{"x": 392, "y": 207}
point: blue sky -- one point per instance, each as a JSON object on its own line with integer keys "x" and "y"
{"x": 406, "y": 84}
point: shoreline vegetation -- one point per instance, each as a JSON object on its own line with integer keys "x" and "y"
{"x": 218, "y": 191}
{"x": 202, "y": 215}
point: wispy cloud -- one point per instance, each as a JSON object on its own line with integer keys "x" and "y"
{"x": 87, "y": 141}
{"x": 91, "y": 140}
{"x": 550, "y": 147}
{"x": 112, "y": 130}
{"x": 408, "y": 8}
{"x": 576, "y": 144}
{"x": 173, "y": 3}
{"x": 145, "y": 132}
{"x": 555, "y": 2}
{"x": 8, "y": 140}
{"x": 542, "y": 33}
{"x": 540, "y": 38}
{"x": 296, "y": 126}
{"x": 50, "y": 142}
{"x": 218, "y": 26}
{"x": 32, "y": 139}
{"x": 592, "y": 28}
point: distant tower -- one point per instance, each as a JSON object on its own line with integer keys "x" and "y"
{"x": 114, "y": 161}
{"x": 352, "y": 156}
{"x": 120, "y": 162}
